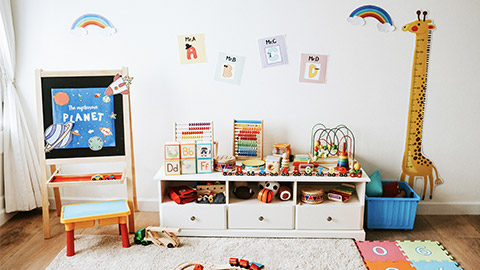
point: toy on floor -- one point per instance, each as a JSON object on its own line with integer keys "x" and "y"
{"x": 162, "y": 236}
{"x": 139, "y": 238}
{"x": 244, "y": 264}
{"x": 405, "y": 255}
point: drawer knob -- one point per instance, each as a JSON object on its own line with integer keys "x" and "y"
{"x": 329, "y": 218}
{"x": 192, "y": 218}
{"x": 260, "y": 218}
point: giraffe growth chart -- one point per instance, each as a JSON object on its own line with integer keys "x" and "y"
{"x": 415, "y": 164}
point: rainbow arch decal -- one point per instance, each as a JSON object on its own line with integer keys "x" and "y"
{"x": 385, "y": 24}
{"x": 93, "y": 19}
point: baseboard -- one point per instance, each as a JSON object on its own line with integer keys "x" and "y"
{"x": 4, "y": 217}
{"x": 463, "y": 208}
{"x": 147, "y": 205}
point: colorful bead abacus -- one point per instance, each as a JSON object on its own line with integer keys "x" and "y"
{"x": 248, "y": 139}
{"x": 201, "y": 131}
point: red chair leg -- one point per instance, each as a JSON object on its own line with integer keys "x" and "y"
{"x": 125, "y": 241}
{"x": 70, "y": 243}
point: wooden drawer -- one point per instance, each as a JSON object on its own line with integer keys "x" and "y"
{"x": 317, "y": 217}
{"x": 260, "y": 216}
{"x": 193, "y": 216}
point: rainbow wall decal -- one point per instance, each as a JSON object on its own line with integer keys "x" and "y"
{"x": 357, "y": 17}
{"x": 92, "y": 20}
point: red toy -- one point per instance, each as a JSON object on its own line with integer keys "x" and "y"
{"x": 182, "y": 194}
{"x": 244, "y": 263}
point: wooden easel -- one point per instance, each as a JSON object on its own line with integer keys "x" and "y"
{"x": 125, "y": 156}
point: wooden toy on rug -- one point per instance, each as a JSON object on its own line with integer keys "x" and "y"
{"x": 248, "y": 139}
{"x": 77, "y": 216}
{"x": 162, "y": 236}
{"x": 414, "y": 163}
{"x": 244, "y": 264}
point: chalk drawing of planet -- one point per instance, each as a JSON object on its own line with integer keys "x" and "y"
{"x": 106, "y": 99}
{"x": 58, "y": 135}
{"x": 61, "y": 98}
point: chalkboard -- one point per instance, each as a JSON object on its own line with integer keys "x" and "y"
{"x": 77, "y": 108}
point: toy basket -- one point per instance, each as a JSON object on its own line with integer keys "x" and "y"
{"x": 392, "y": 213}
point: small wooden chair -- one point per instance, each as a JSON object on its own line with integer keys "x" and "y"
{"x": 76, "y": 216}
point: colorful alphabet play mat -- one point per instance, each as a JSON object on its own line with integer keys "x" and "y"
{"x": 402, "y": 255}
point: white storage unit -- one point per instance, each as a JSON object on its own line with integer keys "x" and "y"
{"x": 253, "y": 218}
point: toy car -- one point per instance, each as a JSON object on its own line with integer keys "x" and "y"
{"x": 110, "y": 177}
{"x": 97, "y": 177}
{"x": 139, "y": 238}
{"x": 162, "y": 236}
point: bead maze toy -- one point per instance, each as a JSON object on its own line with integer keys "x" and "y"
{"x": 248, "y": 139}
{"x": 405, "y": 255}
{"x": 415, "y": 164}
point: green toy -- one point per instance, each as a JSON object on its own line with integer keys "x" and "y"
{"x": 140, "y": 238}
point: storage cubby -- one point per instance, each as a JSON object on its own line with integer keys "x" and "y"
{"x": 278, "y": 218}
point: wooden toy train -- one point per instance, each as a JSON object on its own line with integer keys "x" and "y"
{"x": 332, "y": 154}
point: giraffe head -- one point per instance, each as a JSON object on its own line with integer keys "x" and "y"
{"x": 420, "y": 26}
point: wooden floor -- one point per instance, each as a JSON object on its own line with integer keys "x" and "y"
{"x": 22, "y": 245}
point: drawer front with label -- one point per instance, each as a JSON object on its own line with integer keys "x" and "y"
{"x": 260, "y": 216}
{"x": 316, "y": 217}
{"x": 191, "y": 216}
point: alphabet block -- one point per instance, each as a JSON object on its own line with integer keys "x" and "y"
{"x": 204, "y": 165}
{"x": 204, "y": 150}
{"x": 172, "y": 167}
{"x": 189, "y": 166}
{"x": 187, "y": 150}
{"x": 172, "y": 150}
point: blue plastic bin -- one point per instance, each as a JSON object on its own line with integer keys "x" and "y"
{"x": 392, "y": 213}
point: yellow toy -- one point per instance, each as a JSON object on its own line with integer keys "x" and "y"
{"x": 414, "y": 162}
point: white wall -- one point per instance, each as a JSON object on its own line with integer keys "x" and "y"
{"x": 368, "y": 79}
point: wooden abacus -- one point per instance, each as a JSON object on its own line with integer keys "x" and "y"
{"x": 248, "y": 139}
{"x": 194, "y": 132}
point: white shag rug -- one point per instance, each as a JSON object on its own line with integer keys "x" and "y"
{"x": 106, "y": 252}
